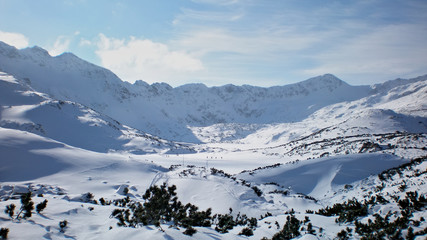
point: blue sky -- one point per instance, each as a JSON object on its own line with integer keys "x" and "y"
{"x": 216, "y": 42}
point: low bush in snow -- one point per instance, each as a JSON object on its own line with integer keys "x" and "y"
{"x": 161, "y": 206}
{"x": 3, "y": 233}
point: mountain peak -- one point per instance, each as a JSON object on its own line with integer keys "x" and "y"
{"x": 68, "y": 55}
{"x": 141, "y": 83}
{"x": 328, "y": 79}
{"x": 36, "y": 50}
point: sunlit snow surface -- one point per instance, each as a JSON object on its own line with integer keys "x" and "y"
{"x": 60, "y": 137}
{"x": 62, "y": 173}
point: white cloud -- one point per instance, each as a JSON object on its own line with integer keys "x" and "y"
{"x": 386, "y": 52}
{"x": 14, "y": 39}
{"x": 144, "y": 59}
{"x": 258, "y": 44}
{"x": 85, "y": 42}
{"x": 61, "y": 45}
{"x": 280, "y": 39}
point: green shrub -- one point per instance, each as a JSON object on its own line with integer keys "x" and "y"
{"x": 63, "y": 225}
{"x": 10, "y": 210}
{"x": 3, "y": 233}
{"x": 27, "y": 205}
{"x": 246, "y": 232}
{"x": 190, "y": 231}
{"x": 41, "y": 206}
{"x": 290, "y": 229}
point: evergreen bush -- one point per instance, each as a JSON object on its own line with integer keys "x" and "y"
{"x": 3, "y": 233}
{"x": 10, "y": 210}
{"x": 41, "y": 206}
{"x": 290, "y": 229}
{"x": 63, "y": 225}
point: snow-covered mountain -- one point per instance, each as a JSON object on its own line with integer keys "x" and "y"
{"x": 24, "y": 109}
{"x": 164, "y": 111}
{"x": 76, "y": 135}
{"x": 179, "y": 113}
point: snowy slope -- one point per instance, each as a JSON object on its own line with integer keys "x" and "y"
{"x": 64, "y": 175}
{"x": 186, "y": 113}
{"x": 268, "y": 153}
{"x": 400, "y": 108}
{"x": 318, "y": 177}
{"x": 165, "y": 111}
{"x": 71, "y": 123}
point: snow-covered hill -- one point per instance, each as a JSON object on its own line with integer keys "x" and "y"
{"x": 165, "y": 111}
{"x": 72, "y": 123}
{"x": 78, "y": 182}
{"x": 320, "y": 156}
{"x": 181, "y": 113}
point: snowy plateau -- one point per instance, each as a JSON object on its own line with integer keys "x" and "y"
{"x": 318, "y": 159}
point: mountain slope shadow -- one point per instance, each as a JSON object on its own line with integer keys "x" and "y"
{"x": 317, "y": 176}
{"x": 20, "y": 162}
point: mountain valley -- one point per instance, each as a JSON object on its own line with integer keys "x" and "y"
{"x": 73, "y": 133}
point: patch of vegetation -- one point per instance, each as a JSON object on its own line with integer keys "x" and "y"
{"x": 346, "y": 212}
{"x": 10, "y": 210}
{"x": 161, "y": 206}
{"x": 253, "y": 171}
{"x": 190, "y": 231}
{"x": 290, "y": 229}
{"x": 63, "y": 225}
{"x": 345, "y": 234}
{"x": 246, "y": 232}
{"x": 220, "y": 172}
{"x": 412, "y": 202}
{"x": 88, "y": 198}
{"x": 389, "y": 173}
{"x": 27, "y": 206}
{"x": 394, "y": 225}
{"x": 225, "y": 222}
{"x": 3, "y": 233}
{"x": 41, "y": 206}
{"x": 257, "y": 191}
{"x": 381, "y": 227}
